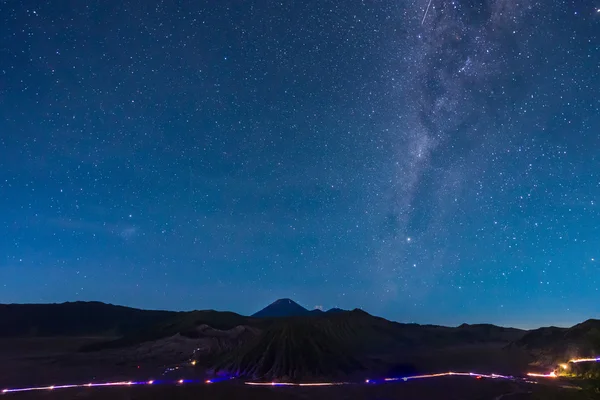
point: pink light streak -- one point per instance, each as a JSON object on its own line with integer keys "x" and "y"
{"x": 407, "y": 378}
{"x": 580, "y": 360}
{"x": 315, "y": 384}
{"x": 296, "y": 384}
{"x": 474, "y": 374}
{"x": 55, "y": 387}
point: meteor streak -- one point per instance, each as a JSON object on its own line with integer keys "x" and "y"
{"x": 426, "y": 11}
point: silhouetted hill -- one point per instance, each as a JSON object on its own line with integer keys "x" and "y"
{"x": 304, "y": 348}
{"x": 76, "y": 319}
{"x": 342, "y": 343}
{"x": 554, "y": 345}
{"x": 191, "y": 324}
{"x": 489, "y": 332}
{"x": 287, "y": 341}
{"x": 334, "y": 310}
{"x": 281, "y": 308}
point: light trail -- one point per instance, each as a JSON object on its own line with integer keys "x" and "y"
{"x": 474, "y": 374}
{"x": 104, "y": 384}
{"x": 580, "y": 360}
{"x": 550, "y": 375}
{"x": 296, "y": 384}
{"x": 83, "y": 385}
{"x": 564, "y": 366}
{"x": 368, "y": 381}
{"x": 371, "y": 381}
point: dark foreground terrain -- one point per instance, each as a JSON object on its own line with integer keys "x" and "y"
{"x": 79, "y": 343}
{"x": 448, "y": 388}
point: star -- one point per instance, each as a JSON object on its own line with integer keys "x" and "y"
{"x": 374, "y": 167}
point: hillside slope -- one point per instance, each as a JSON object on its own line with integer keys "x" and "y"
{"x": 341, "y": 344}
{"x": 554, "y": 345}
{"x": 191, "y": 324}
{"x": 76, "y": 319}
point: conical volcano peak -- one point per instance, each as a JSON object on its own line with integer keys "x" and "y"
{"x": 282, "y": 308}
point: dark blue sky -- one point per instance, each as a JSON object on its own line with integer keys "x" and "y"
{"x": 204, "y": 154}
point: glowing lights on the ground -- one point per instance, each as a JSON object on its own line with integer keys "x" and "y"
{"x": 367, "y": 381}
{"x": 474, "y": 374}
{"x": 210, "y": 381}
{"x": 550, "y": 375}
{"x": 580, "y": 360}
{"x": 296, "y": 384}
{"x": 193, "y": 362}
{"x": 370, "y": 381}
{"x": 564, "y": 366}
{"x": 55, "y": 387}
{"x": 95, "y": 385}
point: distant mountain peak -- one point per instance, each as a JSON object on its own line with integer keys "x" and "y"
{"x": 282, "y": 308}
{"x": 284, "y": 301}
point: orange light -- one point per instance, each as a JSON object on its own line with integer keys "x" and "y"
{"x": 550, "y": 375}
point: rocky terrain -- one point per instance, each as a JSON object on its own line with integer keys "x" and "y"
{"x": 287, "y": 342}
{"x": 551, "y": 346}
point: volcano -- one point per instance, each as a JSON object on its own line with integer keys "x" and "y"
{"x": 282, "y": 308}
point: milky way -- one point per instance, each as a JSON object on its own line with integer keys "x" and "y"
{"x": 474, "y": 70}
{"x": 469, "y": 67}
{"x": 427, "y": 161}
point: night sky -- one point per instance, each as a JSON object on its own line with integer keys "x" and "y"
{"x": 433, "y": 167}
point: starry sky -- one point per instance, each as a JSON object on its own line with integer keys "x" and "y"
{"x": 427, "y": 162}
